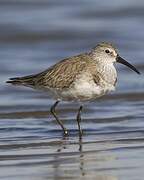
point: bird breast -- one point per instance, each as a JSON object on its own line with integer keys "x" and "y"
{"x": 108, "y": 74}
{"x": 86, "y": 89}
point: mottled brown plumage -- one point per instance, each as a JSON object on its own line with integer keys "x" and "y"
{"x": 60, "y": 75}
{"x": 83, "y": 77}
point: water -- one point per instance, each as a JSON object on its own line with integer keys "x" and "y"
{"x": 37, "y": 34}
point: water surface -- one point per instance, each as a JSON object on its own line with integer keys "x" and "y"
{"x": 37, "y": 34}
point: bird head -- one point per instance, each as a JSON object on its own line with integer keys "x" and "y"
{"x": 107, "y": 53}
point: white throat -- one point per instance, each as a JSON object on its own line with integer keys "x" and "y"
{"x": 108, "y": 72}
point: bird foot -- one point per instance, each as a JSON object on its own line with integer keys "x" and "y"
{"x": 65, "y": 132}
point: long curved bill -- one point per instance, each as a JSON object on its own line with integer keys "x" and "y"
{"x": 122, "y": 61}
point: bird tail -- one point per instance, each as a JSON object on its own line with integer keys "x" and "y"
{"x": 25, "y": 81}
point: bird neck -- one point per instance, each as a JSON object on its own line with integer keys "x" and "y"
{"x": 105, "y": 67}
{"x": 108, "y": 72}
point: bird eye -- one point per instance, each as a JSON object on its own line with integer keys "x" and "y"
{"x": 107, "y": 51}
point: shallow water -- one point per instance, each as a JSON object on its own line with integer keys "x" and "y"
{"x": 36, "y": 34}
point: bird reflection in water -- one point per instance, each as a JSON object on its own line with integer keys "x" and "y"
{"x": 63, "y": 158}
{"x": 71, "y": 161}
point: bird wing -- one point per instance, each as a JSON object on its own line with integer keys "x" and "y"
{"x": 96, "y": 78}
{"x": 60, "y": 75}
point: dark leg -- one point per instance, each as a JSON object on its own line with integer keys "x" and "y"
{"x": 54, "y": 114}
{"x": 79, "y": 120}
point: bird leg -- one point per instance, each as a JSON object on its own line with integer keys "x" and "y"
{"x": 79, "y": 120}
{"x": 57, "y": 119}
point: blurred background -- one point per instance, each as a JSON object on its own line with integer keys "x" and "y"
{"x": 35, "y": 34}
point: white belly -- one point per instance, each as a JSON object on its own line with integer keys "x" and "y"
{"x": 83, "y": 90}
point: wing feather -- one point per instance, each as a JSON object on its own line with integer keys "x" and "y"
{"x": 60, "y": 75}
